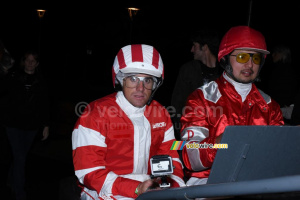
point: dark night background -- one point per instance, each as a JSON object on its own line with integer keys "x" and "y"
{"x": 78, "y": 43}
{"x": 69, "y": 30}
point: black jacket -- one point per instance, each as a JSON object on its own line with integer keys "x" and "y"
{"x": 25, "y": 102}
{"x": 192, "y": 75}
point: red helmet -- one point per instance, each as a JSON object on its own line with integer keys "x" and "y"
{"x": 138, "y": 58}
{"x": 242, "y": 37}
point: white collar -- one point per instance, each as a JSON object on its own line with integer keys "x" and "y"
{"x": 242, "y": 89}
{"x": 127, "y": 107}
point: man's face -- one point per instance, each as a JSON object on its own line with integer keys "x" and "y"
{"x": 244, "y": 72}
{"x": 139, "y": 95}
{"x": 197, "y": 51}
{"x": 30, "y": 63}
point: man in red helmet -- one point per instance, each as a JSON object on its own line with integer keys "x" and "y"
{"x": 232, "y": 99}
{"x": 115, "y": 137}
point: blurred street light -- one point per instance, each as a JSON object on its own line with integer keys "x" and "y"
{"x": 132, "y": 12}
{"x": 41, "y": 14}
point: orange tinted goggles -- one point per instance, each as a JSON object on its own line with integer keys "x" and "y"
{"x": 244, "y": 57}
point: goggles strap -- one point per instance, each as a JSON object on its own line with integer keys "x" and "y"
{"x": 159, "y": 83}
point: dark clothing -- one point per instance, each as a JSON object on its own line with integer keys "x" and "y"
{"x": 20, "y": 142}
{"x": 27, "y": 105}
{"x": 191, "y": 76}
{"x": 24, "y": 111}
{"x": 282, "y": 83}
{"x": 295, "y": 118}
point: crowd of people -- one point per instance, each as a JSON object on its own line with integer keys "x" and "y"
{"x": 117, "y": 136}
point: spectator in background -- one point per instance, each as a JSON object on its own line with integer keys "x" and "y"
{"x": 193, "y": 74}
{"x": 6, "y": 61}
{"x": 26, "y": 114}
{"x": 281, "y": 77}
{"x": 232, "y": 99}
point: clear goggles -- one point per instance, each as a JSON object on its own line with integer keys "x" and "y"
{"x": 149, "y": 83}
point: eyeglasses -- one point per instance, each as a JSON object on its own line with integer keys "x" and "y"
{"x": 244, "y": 57}
{"x": 149, "y": 83}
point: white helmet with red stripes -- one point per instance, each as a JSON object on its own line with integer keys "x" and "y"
{"x": 138, "y": 58}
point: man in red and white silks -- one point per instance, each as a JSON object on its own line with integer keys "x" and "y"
{"x": 232, "y": 99}
{"x": 116, "y": 136}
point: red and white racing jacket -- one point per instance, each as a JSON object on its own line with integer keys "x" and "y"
{"x": 113, "y": 142}
{"x": 211, "y": 108}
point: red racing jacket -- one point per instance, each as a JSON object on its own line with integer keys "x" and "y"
{"x": 107, "y": 144}
{"x": 211, "y": 108}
